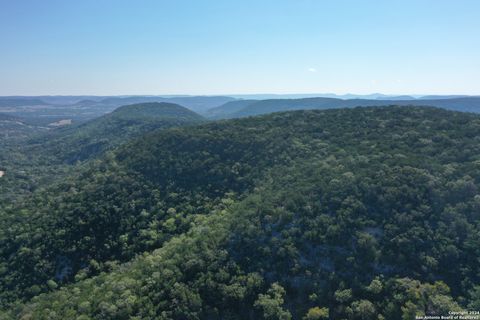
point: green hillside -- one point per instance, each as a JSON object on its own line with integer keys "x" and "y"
{"x": 45, "y": 111}
{"x": 35, "y": 156}
{"x": 195, "y": 103}
{"x": 364, "y": 213}
{"x": 245, "y": 108}
{"x": 92, "y": 138}
{"x": 13, "y": 128}
{"x": 14, "y": 133}
{"x": 225, "y": 110}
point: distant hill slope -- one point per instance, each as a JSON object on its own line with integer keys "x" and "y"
{"x": 36, "y": 156}
{"x": 228, "y": 108}
{"x": 438, "y": 97}
{"x": 41, "y": 111}
{"x": 197, "y": 104}
{"x": 20, "y": 101}
{"x": 468, "y": 104}
{"x": 396, "y": 98}
{"x": 87, "y": 140}
{"x": 363, "y": 213}
{"x": 153, "y": 110}
{"x": 14, "y": 129}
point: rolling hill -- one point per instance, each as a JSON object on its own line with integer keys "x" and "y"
{"x": 257, "y": 107}
{"x": 197, "y": 104}
{"x": 228, "y": 108}
{"x": 85, "y": 141}
{"x": 15, "y": 129}
{"x": 36, "y": 156}
{"x": 362, "y": 213}
{"x": 42, "y": 111}
{"x": 437, "y": 97}
{"x": 20, "y": 101}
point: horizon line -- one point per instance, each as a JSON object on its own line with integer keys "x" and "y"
{"x": 239, "y": 94}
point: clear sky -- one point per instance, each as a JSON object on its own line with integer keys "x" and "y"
{"x": 110, "y": 47}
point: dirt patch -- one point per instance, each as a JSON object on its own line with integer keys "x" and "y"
{"x": 64, "y": 122}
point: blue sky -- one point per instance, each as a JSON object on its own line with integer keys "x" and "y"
{"x": 109, "y": 47}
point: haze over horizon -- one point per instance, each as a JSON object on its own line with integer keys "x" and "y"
{"x": 268, "y": 95}
{"x": 233, "y": 48}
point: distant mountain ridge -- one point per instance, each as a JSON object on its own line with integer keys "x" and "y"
{"x": 21, "y": 101}
{"x": 229, "y": 107}
{"x": 198, "y": 104}
{"x": 83, "y": 108}
{"x": 403, "y": 97}
{"x": 42, "y": 110}
{"x": 431, "y": 97}
{"x": 257, "y": 107}
{"x": 115, "y": 100}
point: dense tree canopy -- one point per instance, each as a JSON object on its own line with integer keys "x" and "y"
{"x": 364, "y": 213}
{"x": 33, "y": 155}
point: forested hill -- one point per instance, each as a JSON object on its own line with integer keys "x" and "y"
{"x": 20, "y": 101}
{"x": 85, "y": 141}
{"x": 228, "y": 108}
{"x": 33, "y": 157}
{"x": 12, "y": 128}
{"x": 195, "y": 103}
{"x": 155, "y": 110}
{"x": 363, "y": 213}
{"x": 244, "y": 108}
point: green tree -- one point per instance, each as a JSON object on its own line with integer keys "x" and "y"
{"x": 316, "y": 313}
{"x": 271, "y": 304}
{"x": 364, "y": 309}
